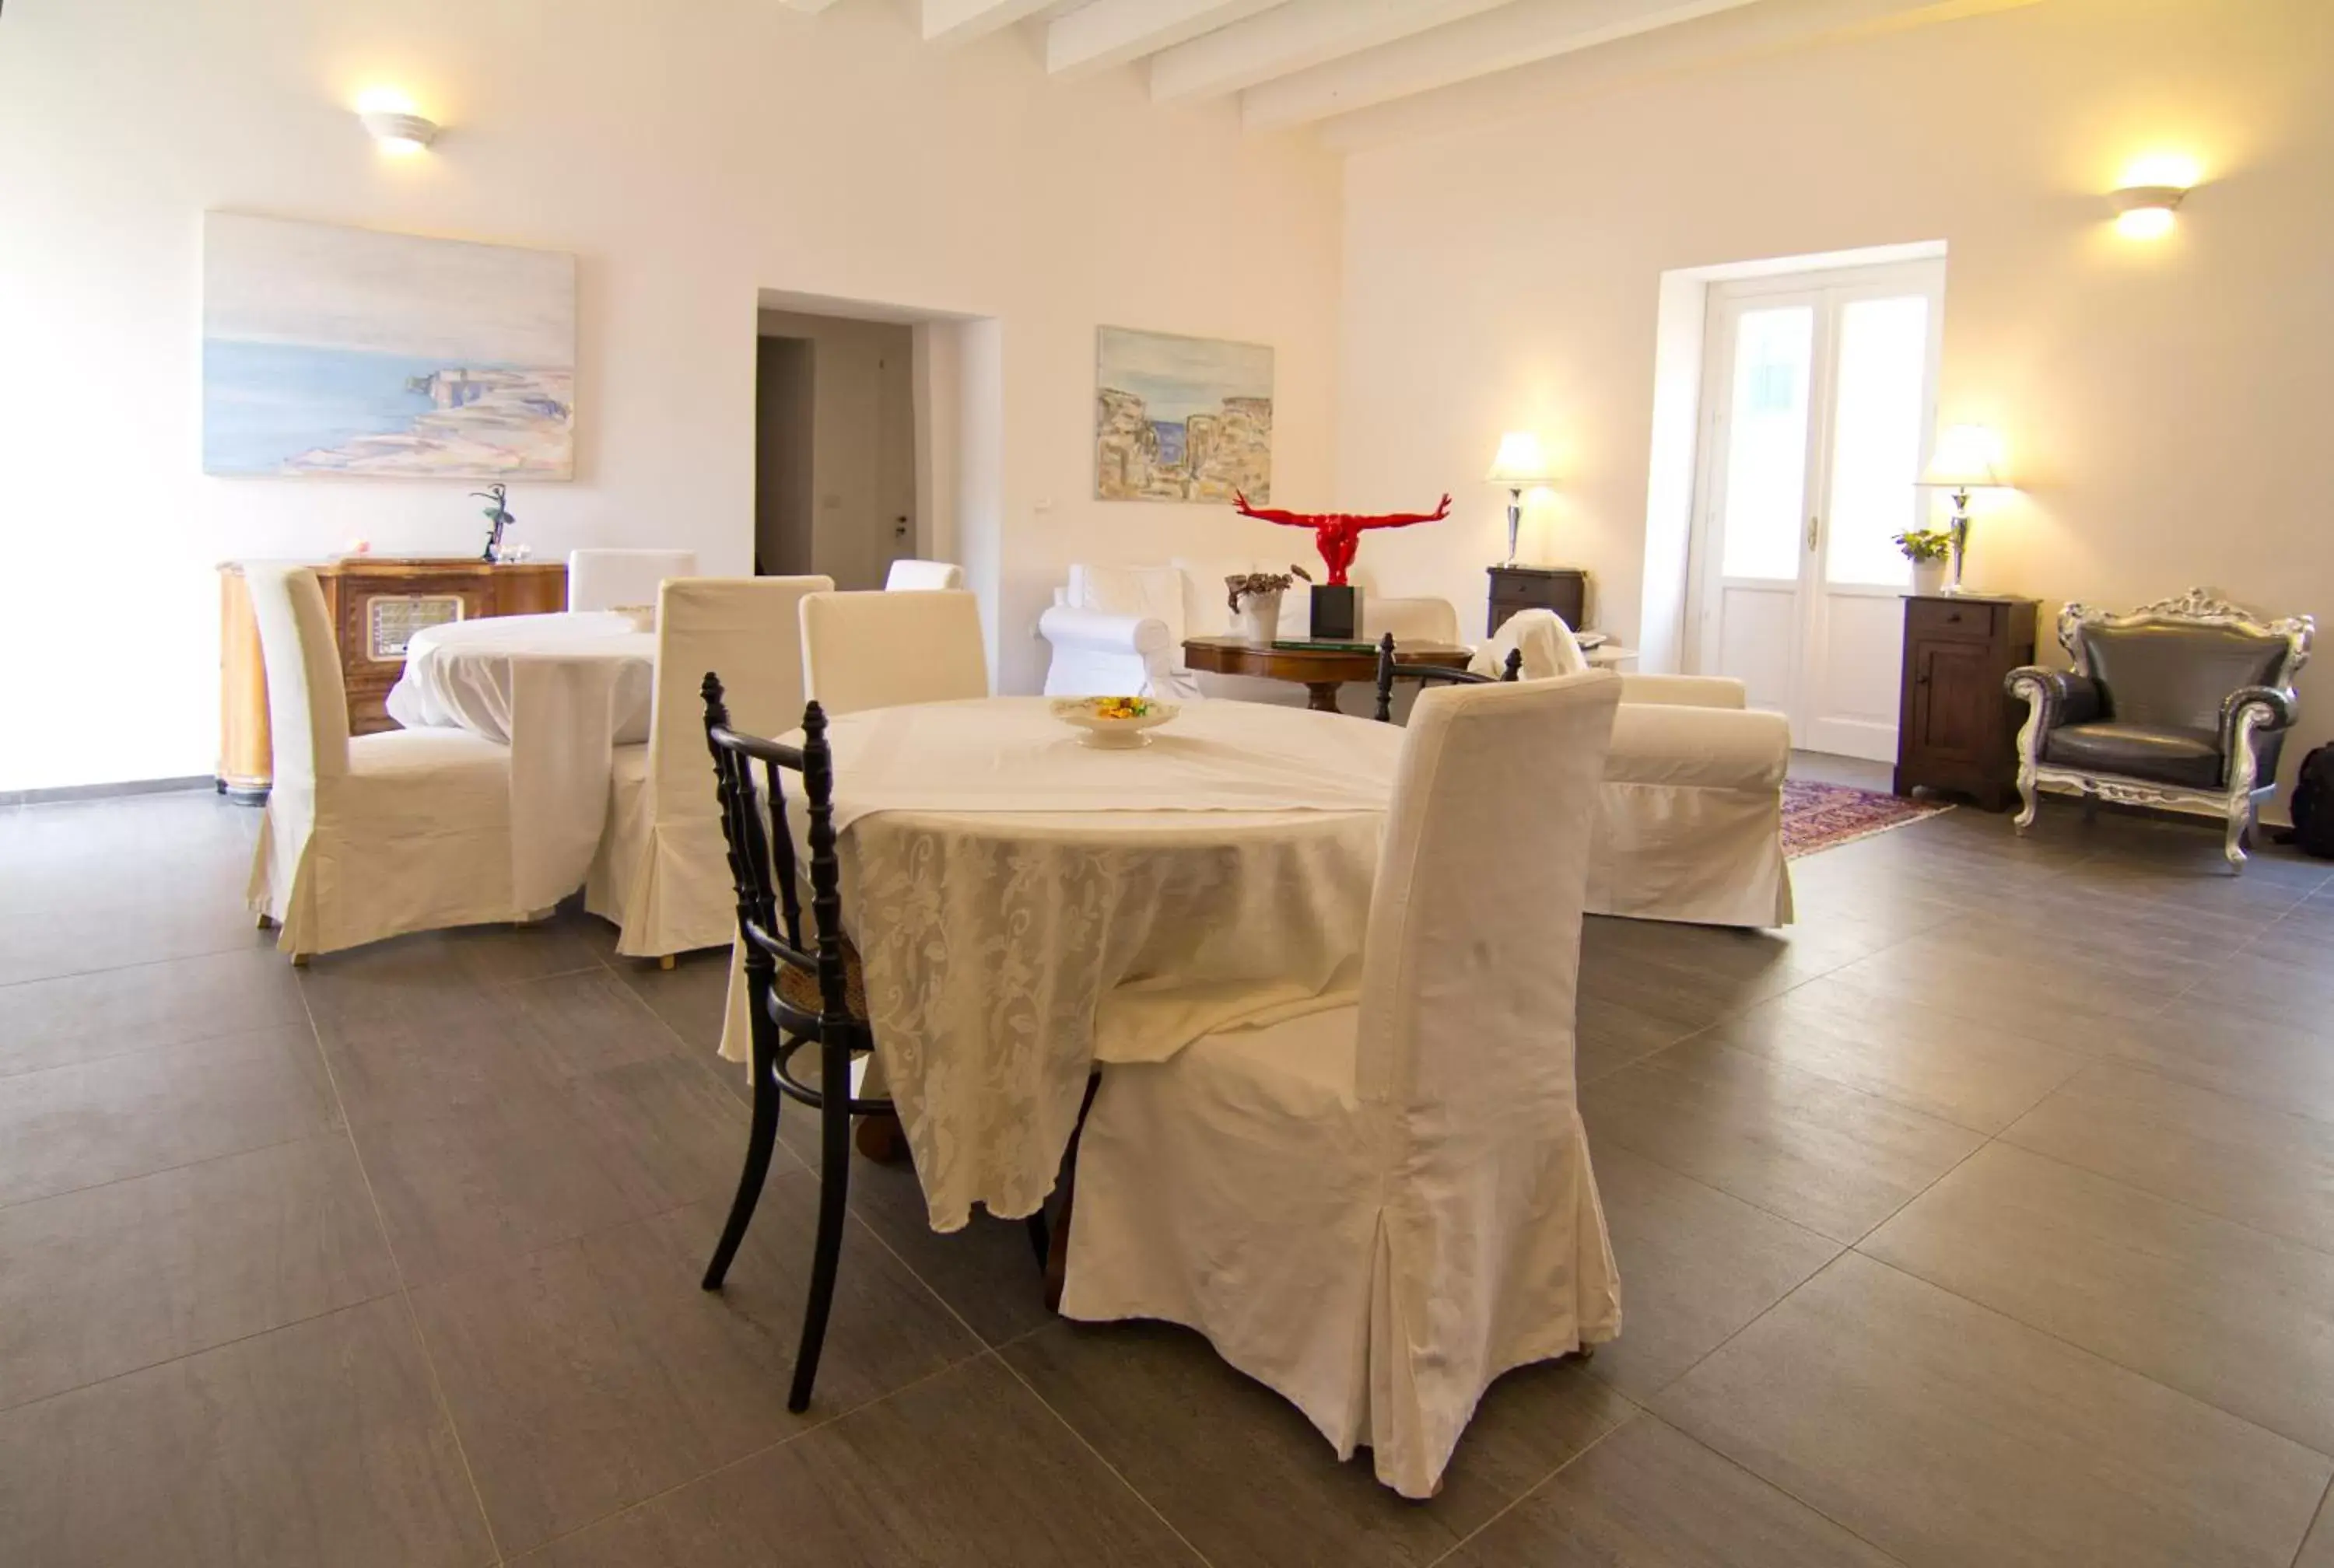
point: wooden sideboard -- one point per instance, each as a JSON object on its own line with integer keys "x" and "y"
{"x": 376, "y": 602}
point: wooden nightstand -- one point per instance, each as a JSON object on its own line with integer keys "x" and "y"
{"x": 1563, "y": 589}
{"x": 1957, "y": 728}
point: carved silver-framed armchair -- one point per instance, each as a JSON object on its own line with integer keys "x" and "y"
{"x": 2182, "y": 704}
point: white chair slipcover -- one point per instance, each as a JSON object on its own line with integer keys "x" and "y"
{"x": 662, "y": 870}
{"x": 878, "y": 649}
{"x": 1377, "y": 1211}
{"x": 920, "y": 576}
{"x": 375, "y": 836}
{"x": 1550, "y": 648}
{"x": 1690, "y": 822}
{"x": 620, "y": 579}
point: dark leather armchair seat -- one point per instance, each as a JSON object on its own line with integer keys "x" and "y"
{"x": 2183, "y": 702}
{"x": 2182, "y": 756}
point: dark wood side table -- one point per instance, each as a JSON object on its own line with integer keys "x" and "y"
{"x": 1563, "y": 589}
{"x": 1319, "y": 670}
{"x": 1957, "y": 728}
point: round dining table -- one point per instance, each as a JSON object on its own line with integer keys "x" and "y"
{"x": 563, "y": 692}
{"x": 1026, "y": 906}
{"x": 463, "y": 673}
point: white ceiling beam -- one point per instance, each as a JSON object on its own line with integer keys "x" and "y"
{"x": 1500, "y": 40}
{"x": 1720, "y": 41}
{"x": 808, "y": 7}
{"x": 962, "y": 21}
{"x": 1291, "y": 37}
{"x": 1107, "y": 32}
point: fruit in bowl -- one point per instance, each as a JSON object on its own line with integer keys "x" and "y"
{"x": 1113, "y": 721}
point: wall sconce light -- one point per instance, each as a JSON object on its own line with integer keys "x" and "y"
{"x": 388, "y": 118}
{"x": 2145, "y": 211}
{"x": 1520, "y": 464}
{"x": 2150, "y": 190}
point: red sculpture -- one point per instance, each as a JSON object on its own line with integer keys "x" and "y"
{"x": 1338, "y": 534}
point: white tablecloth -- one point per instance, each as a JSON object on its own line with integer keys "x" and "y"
{"x": 562, "y": 691}
{"x": 1026, "y": 906}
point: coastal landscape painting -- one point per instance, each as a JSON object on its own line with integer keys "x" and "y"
{"x": 1182, "y": 418}
{"x": 344, "y": 350}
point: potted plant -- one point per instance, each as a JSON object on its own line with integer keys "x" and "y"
{"x": 1255, "y": 599}
{"x": 1929, "y": 550}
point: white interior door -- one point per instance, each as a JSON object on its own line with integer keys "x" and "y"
{"x": 1821, "y": 396}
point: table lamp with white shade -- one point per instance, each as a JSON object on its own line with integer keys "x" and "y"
{"x": 1967, "y": 457}
{"x": 1520, "y": 464}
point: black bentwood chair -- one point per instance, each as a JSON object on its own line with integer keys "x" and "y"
{"x": 800, "y": 997}
{"x": 1387, "y": 670}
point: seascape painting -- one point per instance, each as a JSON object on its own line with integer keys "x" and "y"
{"x": 1182, "y": 418}
{"x": 343, "y": 351}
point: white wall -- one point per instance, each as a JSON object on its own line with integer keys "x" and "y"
{"x": 2168, "y": 406}
{"x": 689, "y": 162}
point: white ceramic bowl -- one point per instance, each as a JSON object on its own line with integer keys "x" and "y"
{"x": 1096, "y": 726}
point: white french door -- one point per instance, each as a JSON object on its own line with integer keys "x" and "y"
{"x": 1819, "y": 398}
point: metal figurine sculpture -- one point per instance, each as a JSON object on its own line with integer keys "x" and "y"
{"x": 499, "y": 515}
{"x": 1338, "y": 534}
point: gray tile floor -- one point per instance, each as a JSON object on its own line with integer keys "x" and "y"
{"x": 1985, "y": 1216}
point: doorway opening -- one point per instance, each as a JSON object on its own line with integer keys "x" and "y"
{"x": 902, "y": 452}
{"x": 836, "y": 447}
{"x": 1817, "y": 401}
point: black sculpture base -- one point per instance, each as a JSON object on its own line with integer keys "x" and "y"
{"x": 1336, "y": 614}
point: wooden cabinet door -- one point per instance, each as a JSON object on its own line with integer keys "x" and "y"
{"x": 1953, "y": 702}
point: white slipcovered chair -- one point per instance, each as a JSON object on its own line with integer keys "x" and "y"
{"x": 1548, "y": 647}
{"x": 661, "y": 874}
{"x": 1689, "y": 820}
{"x": 618, "y": 579}
{"x": 922, "y": 576}
{"x": 1119, "y": 631}
{"x": 878, "y": 649}
{"x": 1377, "y": 1209}
{"x": 375, "y": 836}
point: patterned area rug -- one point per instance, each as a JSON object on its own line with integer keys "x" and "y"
{"x": 1822, "y": 816}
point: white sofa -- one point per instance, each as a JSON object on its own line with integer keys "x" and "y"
{"x": 1120, "y": 629}
{"x": 1691, "y": 811}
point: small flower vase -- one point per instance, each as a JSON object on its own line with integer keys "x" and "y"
{"x": 1929, "y": 576}
{"x": 1257, "y": 621}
